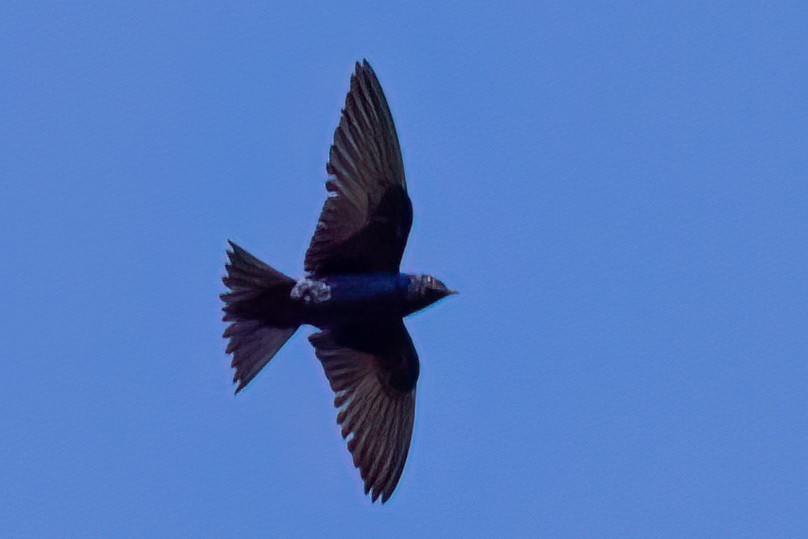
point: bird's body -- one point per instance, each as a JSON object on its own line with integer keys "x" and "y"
{"x": 353, "y": 292}
{"x": 336, "y": 300}
{"x": 339, "y": 299}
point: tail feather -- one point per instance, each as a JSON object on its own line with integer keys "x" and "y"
{"x": 257, "y": 307}
{"x": 246, "y": 273}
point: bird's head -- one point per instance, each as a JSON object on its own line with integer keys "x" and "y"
{"x": 425, "y": 290}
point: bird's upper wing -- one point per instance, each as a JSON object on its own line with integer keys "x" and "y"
{"x": 367, "y": 216}
{"x": 373, "y": 370}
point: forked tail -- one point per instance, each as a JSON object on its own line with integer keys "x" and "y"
{"x": 260, "y": 313}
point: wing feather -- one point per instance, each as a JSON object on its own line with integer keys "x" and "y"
{"x": 367, "y": 216}
{"x": 375, "y": 417}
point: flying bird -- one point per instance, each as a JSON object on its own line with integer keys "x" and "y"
{"x": 353, "y": 292}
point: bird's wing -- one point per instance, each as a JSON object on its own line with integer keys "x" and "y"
{"x": 367, "y": 216}
{"x": 373, "y": 370}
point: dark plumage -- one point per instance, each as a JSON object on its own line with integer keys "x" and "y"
{"x": 353, "y": 292}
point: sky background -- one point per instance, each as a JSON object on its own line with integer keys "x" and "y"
{"x": 618, "y": 191}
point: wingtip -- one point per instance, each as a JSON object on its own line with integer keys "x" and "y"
{"x": 363, "y": 66}
{"x": 231, "y": 251}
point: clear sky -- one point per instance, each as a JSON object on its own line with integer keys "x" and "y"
{"x": 619, "y": 192}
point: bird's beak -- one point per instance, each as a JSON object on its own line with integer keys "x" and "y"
{"x": 452, "y": 292}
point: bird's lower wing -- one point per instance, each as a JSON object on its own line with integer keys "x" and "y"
{"x": 374, "y": 381}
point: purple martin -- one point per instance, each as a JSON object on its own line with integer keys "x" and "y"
{"x": 353, "y": 292}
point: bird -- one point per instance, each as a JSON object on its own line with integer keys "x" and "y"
{"x": 353, "y": 292}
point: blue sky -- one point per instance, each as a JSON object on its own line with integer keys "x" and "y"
{"x": 618, "y": 191}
